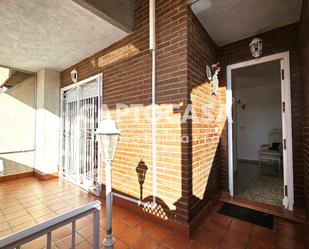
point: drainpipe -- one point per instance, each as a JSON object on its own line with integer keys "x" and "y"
{"x": 152, "y": 48}
{"x": 138, "y": 202}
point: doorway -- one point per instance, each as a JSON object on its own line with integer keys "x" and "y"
{"x": 80, "y": 117}
{"x": 259, "y": 131}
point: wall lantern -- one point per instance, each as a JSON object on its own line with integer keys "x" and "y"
{"x": 107, "y": 135}
{"x": 74, "y": 75}
{"x": 256, "y": 47}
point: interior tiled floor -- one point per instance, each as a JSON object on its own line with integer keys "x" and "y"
{"x": 261, "y": 183}
{"x": 25, "y": 202}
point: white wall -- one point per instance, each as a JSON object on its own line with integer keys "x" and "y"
{"x": 47, "y": 121}
{"x": 17, "y": 127}
{"x": 256, "y": 121}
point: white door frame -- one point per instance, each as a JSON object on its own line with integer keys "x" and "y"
{"x": 284, "y": 58}
{"x": 99, "y": 78}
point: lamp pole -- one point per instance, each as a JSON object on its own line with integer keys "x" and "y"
{"x": 109, "y": 240}
{"x": 108, "y": 135}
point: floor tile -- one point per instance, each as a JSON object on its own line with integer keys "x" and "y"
{"x": 241, "y": 226}
{"x": 222, "y": 219}
{"x": 146, "y": 226}
{"x": 66, "y": 242}
{"x": 291, "y": 232}
{"x": 86, "y": 231}
{"x": 197, "y": 245}
{"x": 4, "y": 226}
{"x": 255, "y": 243}
{"x": 5, "y": 233}
{"x": 160, "y": 233}
{"x": 178, "y": 242}
{"x": 224, "y": 244}
{"x": 263, "y": 234}
{"x": 84, "y": 245}
{"x": 207, "y": 238}
{"x": 133, "y": 220}
{"x": 287, "y": 243}
{"x": 40, "y": 201}
{"x": 146, "y": 242}
{"x": 216, "y": 228}
{"x": 120, "y": 213}
{"x": 236, "y": 238}
{"x": 119, "y": 227}
{"x": 61, "y": 233}
{"x": 131, "y": 235}
{"x": 37, "y": 243}
{"x": 120, "y": 245}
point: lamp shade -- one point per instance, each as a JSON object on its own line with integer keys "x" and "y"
{"x": 256, "y": 47}
{"x": 107, "y": 135}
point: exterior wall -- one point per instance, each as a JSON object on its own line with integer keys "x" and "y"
{"x": 126, "y": 68}
{"x": 17, "y": 131}
{"x": 189, "y": 174}
{"x": 304, "y": 43}
{"x": 206, "y": 118}
{"x": 275, "y": 41}
{"x": 47, "y": 122}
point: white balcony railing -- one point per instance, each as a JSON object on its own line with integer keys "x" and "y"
{"x": 18, "y": 239}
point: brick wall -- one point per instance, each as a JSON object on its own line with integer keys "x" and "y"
{"x": 275, "y": 41}
{"x": 304, "y": 42}
{"x": 207, "y": 115}
{"x": 189, "y": 175}
{"x": 126, "y": 68}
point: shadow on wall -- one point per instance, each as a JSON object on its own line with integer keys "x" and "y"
{"x": 141, "y": 171}
{"x": 126, "y": 67}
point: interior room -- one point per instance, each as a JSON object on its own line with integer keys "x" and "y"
{"x": 258, "y": 160}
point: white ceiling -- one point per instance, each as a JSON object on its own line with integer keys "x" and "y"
{"x": 230, "y": 20}
{"x": 52, "y": 34}
{"x": 259, "y": 75}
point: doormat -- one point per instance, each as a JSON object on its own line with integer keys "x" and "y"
{"x": 249, "y": 215}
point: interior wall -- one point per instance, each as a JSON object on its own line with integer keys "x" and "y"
{"x": 17, "y": 127}
{"x": 262, "y": 114}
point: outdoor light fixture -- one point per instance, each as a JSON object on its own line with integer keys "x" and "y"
{"x": 107, "y": 135}
{"x": 256, "y": 47}
{"x": 74, "y": 75}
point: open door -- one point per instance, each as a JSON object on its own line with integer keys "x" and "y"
{"x": 287, "y": 150}
{"x": 287, "y": 142}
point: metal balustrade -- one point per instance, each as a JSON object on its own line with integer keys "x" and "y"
{"x": 18, "y": 239}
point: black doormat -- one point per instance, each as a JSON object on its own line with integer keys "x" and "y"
{"x": 249, "y": 215}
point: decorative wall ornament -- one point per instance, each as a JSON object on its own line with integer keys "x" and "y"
{"x": 212, "y": 75}
{"x": 74, "y": 75}
{"x": 243, "y": 105}
{"x": 256, "y": 47}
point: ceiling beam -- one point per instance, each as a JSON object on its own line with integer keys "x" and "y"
{"x": 119, "y": 13}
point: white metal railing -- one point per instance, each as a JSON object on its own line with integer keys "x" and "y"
{"x": 18, "y": 239}
{"x": 15, "y": 150}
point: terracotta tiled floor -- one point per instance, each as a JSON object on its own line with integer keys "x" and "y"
{"x": 25, "y": 202}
